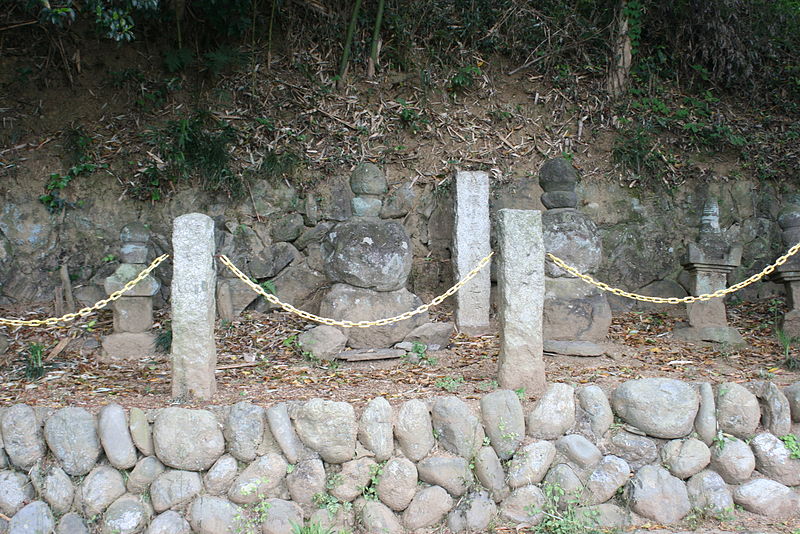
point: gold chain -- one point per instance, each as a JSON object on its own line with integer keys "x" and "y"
{"x": 674, "y": 300}
{"x": 83, "y": 312}
{"x": 355, "y": 324}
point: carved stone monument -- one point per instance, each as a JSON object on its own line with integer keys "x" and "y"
{"x": 520, "y": 281}
{"x": 194, "y": 353}
{"x": 471, "y": 243}
{"x": 133, "y": 313}
{"x": 789, "y": 272}
{"x": 708, "y": 262}
{"x": 576, "y": 315}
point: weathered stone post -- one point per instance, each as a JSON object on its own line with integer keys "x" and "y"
{"x": 520, "y": 281}
{"x": 194, "y": 355}
{"x": 789, "y": 272}
{"x": 708, "y": 262}
{"x": 470, "y": 245}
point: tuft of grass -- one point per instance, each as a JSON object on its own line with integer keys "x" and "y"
{"x": 34, "y": 367}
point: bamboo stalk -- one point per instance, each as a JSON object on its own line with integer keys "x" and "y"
{"x": 376, "y": 35}
{"x": 348, "y": 42}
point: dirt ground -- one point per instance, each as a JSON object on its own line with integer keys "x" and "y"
{"x": 257, "y": 363}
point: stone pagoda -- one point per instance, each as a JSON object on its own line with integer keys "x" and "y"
{"x": 133, "y": 312}
{"x": 709, "y": 261}
{"x": 789, "y": 272}
{"x": 576, "y": 314}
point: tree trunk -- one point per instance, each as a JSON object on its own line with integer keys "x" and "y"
{"x": 622, "y": 54}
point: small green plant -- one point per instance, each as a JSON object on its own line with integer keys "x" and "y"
{"x": 520, "y": 393}
{"x": 333, "y": 481}
{"x": 410, "y": 117}
{"x": 793, "y": 444}
{"x": 420, "y": 350}
{"x": 163, "y": 341}
{"x": 450, "y": 383}
{"x": 331, "y": 504}
{"x": 315, "y": 528}
{"x": 560, "y": 514}
{"x": 791, "y": 362}
{"x": 464, "y": 78}
{"x": 191, "y": 146}
{"x": 52, "y": 199}
{"x": 370, "y": 490}
{"x": 109, "y": 258}
{"x": 251, "y": 516}
{"x": 488, "y": 385}
{"x": 721, "y": 439}
{"x": 269, "y": 287}
{"x": 34, "y": 367}
{"x": 699, "y": 515}
{"x": 290, "y": 469}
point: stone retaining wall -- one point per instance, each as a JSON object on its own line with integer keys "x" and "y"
{"x": 653, "y": 451}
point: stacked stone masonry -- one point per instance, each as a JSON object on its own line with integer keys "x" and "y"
{"x": 652, "y": 451}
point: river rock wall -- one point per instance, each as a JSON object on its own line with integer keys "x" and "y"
{"x": 275, "y": 232}
{"x": 653, "y": 450}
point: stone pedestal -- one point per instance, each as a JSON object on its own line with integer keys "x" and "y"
{"x": 471, "y": 243}
{"x": 194, "y": 354}
{"x": 520, "y": 281}
{"x": 708, "y": 262}
{"x": 576, "y": 315}
{"x": 133, "y": 313}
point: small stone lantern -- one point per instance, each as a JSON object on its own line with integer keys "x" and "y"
{"x": 709, "y": 261}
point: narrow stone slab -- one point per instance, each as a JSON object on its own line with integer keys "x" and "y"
{"x": 470, "y": 245}
{"x": 371, "y": 354}
{"x": 520, "y": 280}
{"x": 194, "y": 354}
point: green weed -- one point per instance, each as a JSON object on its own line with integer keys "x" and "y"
{"x": 560, "y": 519}
{"x": 52, "y": 199}
{"x": 34, "y": 368}
{"x": 786, "y": 341}
{"x": 370, "y": 490}
{"x": 464, "y": 78}
{"x": 450, "y": 383}
{"x": 793, "y": 444}
{"x": 194, "y": 145}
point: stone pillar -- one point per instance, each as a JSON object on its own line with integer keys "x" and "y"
{"x": 789, "y": 272}
{"x": 708, "y": 262}
{"x": 470, "y": 245}
{"x": 133, "y": 313}
{"x": 520, "y": 281}
{"x": 194, "y": 354}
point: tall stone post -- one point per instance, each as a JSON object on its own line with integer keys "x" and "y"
{"x": 520, "y": 280}
{"x": 470, "y": 245}
{"x": 194, "y": 354}
{"x": 789, "y": 272}
{"x": 708, "y": 262}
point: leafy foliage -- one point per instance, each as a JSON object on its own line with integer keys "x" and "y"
{"x": 194, "y": 145}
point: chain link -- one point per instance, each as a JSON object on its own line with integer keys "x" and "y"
{"x": 84, "y": 312}
{"x": 675, "y": 300}
{"x": 355, "y": 324}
